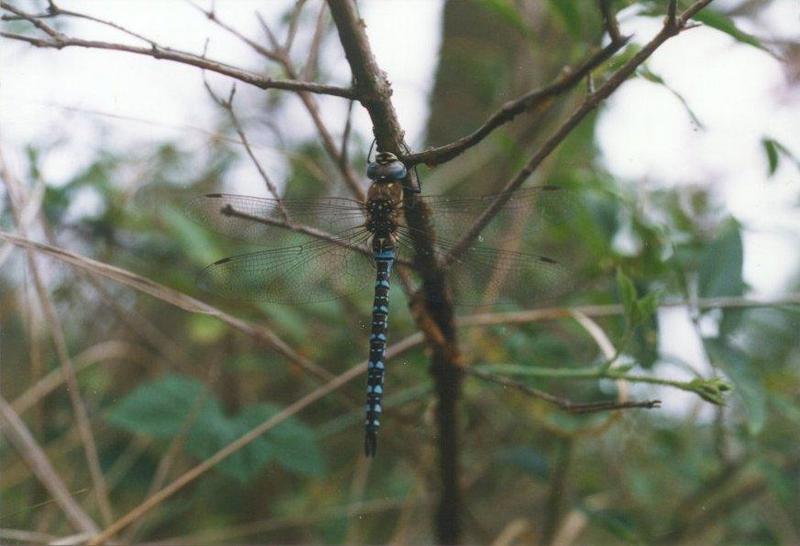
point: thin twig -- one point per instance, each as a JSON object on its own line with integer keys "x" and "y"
{"x": 58, "y": 40}
{"x": 308, "y": 69}
{"x": 64, "y": 358}
{"x": 260, "y": 334}
{"x": 528, "y": 102}
{"x": 227, "y": 105}
{"x": 610, "y": 21}
{"x": 588, "y": 105}
{"x": 294, "y": 20}
{"x": 36, "y": 459}
{"x": 561, "y": 402}
{"x": 258, "y": 48}
{"x": 311, "y": 106}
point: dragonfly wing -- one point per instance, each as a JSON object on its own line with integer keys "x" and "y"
{"x": 313, "y": 272}
{"x": 531, "y": 207}
{"x": 256, "y": 218}
{"x": 488, "y": 276}
{"x": 484, "y": 276}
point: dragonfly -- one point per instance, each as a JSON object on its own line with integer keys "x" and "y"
{"x": 348, "y": 242}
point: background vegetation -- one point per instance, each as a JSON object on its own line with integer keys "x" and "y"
{"x": 115, "y": 382}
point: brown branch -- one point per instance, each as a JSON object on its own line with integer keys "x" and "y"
{"x": 528, "y": 102}
{"x": 255, "y": 46}
{"x": 260, "y": 334}
{"x": 57, "y": 40}
{"x": 227, "y": 105}
{"x": 60, "y": 342}
{"x": 610, "y": 21}
{"x": 436, "y": 321}
{"x": 311, "y": 106}
{"x": 36, "y": 459}
{"x": 591, "y": 102}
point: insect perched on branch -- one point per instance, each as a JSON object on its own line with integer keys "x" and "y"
{"x": 350, "y": 242}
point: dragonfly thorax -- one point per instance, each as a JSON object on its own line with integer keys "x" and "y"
{"x": 383, "y": 208}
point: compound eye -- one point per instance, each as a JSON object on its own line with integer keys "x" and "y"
{"x": 372, "y": 170}
{"x": 397, "y": 171}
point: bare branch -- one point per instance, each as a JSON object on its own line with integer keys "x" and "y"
{"x": 293, "y": 24}
{"x": 526, "y": 103}
{"x": 36, "y": 458}
{"x": 436, "y": 321}
{"x": 59, "y": 341}
{"x": 313, "y": 50}
{"x": 227, "y": 105}
{"x": 255, "y": 46}
{"x": 58, "y": 40}
{"x": 260, "y": 334}
{"x": 610, "y": 21}
{"x": 589, "y": 104}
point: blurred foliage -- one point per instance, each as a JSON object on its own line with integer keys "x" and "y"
{"x": 186, "y": 385}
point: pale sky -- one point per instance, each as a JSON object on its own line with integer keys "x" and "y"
{"x": 648, "y": 140}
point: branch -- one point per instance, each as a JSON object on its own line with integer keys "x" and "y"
{"x": 260, "y": 334}
{"x": 712, "y": 389}
{"x": 672, "y": 27}
{"x": 563, "y": 403}
{"x": 57, "y": 40}
{"x": 436, "y": 321}
{"x": 328, "y": 142}
{"x": 530, "y": 101}
{"x": 610, "y": 21}
{"x": 18, "y": 434}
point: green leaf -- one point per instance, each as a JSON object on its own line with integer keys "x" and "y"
{"x": 505, "y": 10}
{"x": 527, "y": 459}
{"x": 739, "y": 368}
{"x": 773, "y": 158}
{"x": 723, "y": 23}
{"x": 160, "y": 408}
{"x": 569, "y": 14}
{"x": 164, "y": 409}
{"x": 721, "y": 264}
{"x": 627, "y": 292}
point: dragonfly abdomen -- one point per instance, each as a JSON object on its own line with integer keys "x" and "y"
{"x": 384, "y": 258}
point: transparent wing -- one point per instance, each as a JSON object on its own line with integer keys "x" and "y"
{"x": 255, "y": 218}
{"x": 485, "y": 276}
{"x": 307, "y": 273}
{"x": 533, "y": 207}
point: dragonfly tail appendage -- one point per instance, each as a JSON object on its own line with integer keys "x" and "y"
{"x": 377, "y": 348}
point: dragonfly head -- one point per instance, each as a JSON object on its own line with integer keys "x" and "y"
{"x": 386, "y": 168}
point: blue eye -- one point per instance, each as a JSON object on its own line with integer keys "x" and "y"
{"x": 396, "y": 170}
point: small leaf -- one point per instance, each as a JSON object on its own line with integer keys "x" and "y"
{"x": 721, "y": 264}
{"x": 723, "y": 23}
{"x": 627, "y": 292}
{"x": 569, "y": 15}
{"x": 645, "y": 72}
{"x": 711, "y": 390}
{"x": 160, "y": 408}
{"x": 648, "y": 304}
{"x": 771, "y": 149}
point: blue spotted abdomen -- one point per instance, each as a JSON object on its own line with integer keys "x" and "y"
{"x": 377, "y": 349}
